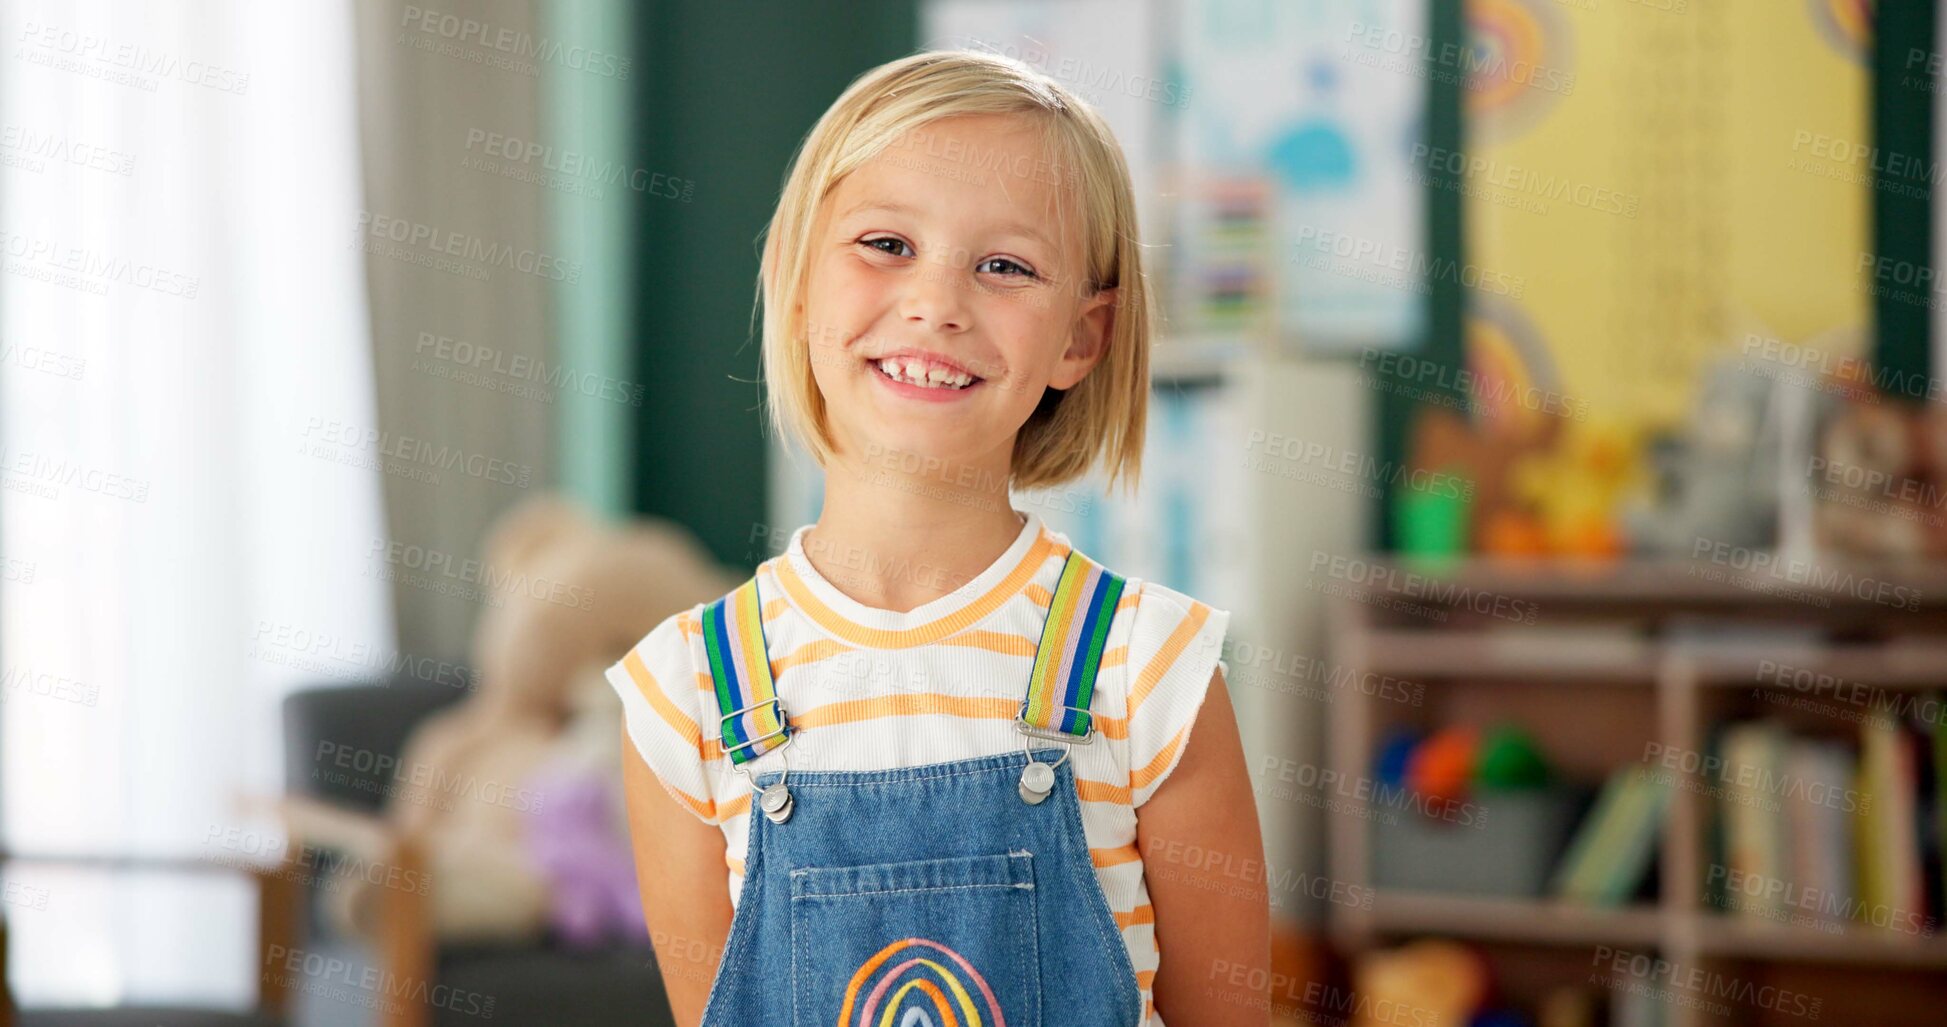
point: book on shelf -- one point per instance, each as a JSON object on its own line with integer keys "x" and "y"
{"x": 1749, "y": 782}
{"x": 1614, "y": 846}
{"x": 1818, "y": 831}
{"x": 1811, "y": 829}
{"x": 1889, "y": 842}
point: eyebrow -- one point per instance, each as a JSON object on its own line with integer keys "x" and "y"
{"x": 1012, "y": 227}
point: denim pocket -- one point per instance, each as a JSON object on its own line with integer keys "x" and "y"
{"x": 921, "y": 943}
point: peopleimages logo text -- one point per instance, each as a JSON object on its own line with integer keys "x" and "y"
{"x": 416, "y": 235}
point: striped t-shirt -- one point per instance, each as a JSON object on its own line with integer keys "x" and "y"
{"x": 872, "y": 689}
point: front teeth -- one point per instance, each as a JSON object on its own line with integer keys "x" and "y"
{"x": 916, "y": 373}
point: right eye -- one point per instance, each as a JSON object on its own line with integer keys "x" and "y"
{"x": 875, "y": 244}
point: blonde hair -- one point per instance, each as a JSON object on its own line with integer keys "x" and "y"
{"x": 1100, "y": 417}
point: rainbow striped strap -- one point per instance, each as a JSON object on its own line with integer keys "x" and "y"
{"x": 1072, "y": 639}
{"x": 753, "y": 721}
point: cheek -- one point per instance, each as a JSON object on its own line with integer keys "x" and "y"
{"x": 1031, "y": 341}
{"x": 837, "y": 309}
{"x": 849, "y": 292}
{"x": 851, "y": 280}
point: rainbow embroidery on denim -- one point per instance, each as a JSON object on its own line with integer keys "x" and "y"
{"x": 910, "y": 975}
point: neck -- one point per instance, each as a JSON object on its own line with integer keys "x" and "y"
{"x": 897, "y": 531}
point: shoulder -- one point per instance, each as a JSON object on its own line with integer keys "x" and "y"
{"x": 661, "y": 666}
{"x": 1158, "y": 607}
{"x": 1173, "y": 646}
{"x": 1171, "y": 635}
{"x": 661, "y": 694}
{"x": 677, "y": 632}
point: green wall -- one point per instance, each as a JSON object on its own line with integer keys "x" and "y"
{"x": 1903, "y": 217}
{"x": 1397, "y": 407}
{"x": 589, "y": 115}
{"x": 725, "y": 93}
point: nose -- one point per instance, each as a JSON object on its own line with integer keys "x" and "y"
{"x": 934, "y": 297}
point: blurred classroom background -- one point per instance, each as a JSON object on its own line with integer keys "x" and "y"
{"x": 1550, "y": 389}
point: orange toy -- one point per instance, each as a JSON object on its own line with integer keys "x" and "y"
{"x": 1442, "y": 766}
{"x": 1510, "y": 532}
{"x": 1434, "y": 983}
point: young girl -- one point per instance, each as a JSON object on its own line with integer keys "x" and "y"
{"x": 932, "y": 765}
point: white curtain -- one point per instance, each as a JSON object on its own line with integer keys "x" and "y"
{"x": 189, "y": 493}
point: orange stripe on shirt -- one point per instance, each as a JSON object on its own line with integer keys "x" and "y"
{"x": 1102, "y": 791}
{"x": 923, "y": 634}
{"x": 704, "y": 808}
{"x": 1172, "y": 648}
{"x": 645, "y": 682}
{"x": 810, "y": 653}
{"x": 1148, "y": 772}
{"x": 850, "y": 711}
{"x": 908, "y": 704}
{"x": 1114, "y": 857}
{"x": 1143, "y": 914}
{"x": 1005, "y": 643}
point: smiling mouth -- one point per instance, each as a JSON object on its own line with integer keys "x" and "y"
{"x": 915, "y": 372}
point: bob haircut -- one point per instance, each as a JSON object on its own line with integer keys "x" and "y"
{"x": 1100, "y": 417}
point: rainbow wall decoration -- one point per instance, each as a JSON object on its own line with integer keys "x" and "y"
{"x": 1642, "y": 181}
{"x": 955, "y": 1006}
{"x": 1517, "y": 64}
{"x": 1847, "y": 25}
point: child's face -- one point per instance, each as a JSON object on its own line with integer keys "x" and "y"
{"x": 946, "y": 253}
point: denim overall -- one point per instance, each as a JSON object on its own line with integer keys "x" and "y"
{"x": 953, "y": 894}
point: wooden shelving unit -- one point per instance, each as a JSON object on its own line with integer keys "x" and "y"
{"x": 1539, "y": 921}
{"x": 1604, "y": 661}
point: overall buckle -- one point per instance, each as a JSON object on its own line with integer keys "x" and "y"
{"x": 775, "y": 798}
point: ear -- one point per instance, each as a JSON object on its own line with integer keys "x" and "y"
{"x": 1089, "y": 340}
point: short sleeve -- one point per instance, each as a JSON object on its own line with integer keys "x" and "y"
{"x": 657, "y": 683}
{"x": 1175, "y": 643}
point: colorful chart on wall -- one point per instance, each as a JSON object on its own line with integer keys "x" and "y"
{"x": 1642, "y": 182}
{"x": 1300, "y": 213}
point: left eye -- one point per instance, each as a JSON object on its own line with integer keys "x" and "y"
{"x": 1002, "y": 264}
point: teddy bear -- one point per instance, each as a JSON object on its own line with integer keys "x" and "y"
{"x": 510, "y": 797}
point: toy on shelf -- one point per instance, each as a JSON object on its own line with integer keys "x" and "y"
{"x": 1390, "y": 767}
{"x": 1455, "y": 762}
{"x": 1717, "y": 479}
{"x": 1532, "y": 486}
{"x": 1467, "y": 811}
{"x": 1440, "y": 983}
{"x": 1477, "y": 459}
{"x": 1879, "y": 479}
{"x": 1442, "y": 767}
{"x": 1433, "y": 523}
{"x": 1509, "y": 760}
{"x": 1575, "y": 490}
